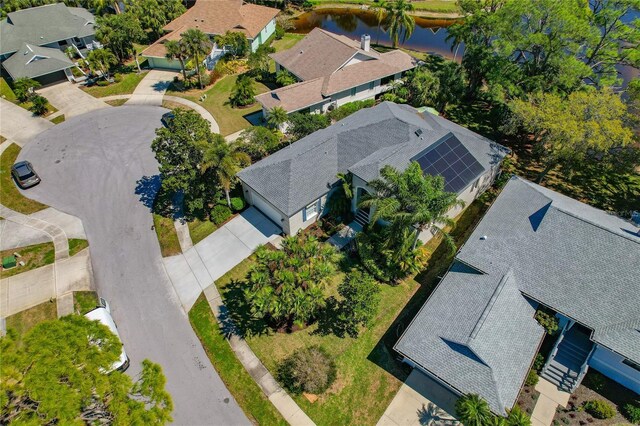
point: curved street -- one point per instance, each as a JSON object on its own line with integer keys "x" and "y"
{"x": 100, "y": 168}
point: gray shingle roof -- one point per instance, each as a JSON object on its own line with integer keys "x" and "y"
{"x": 579, "y": 261}
{"x": 43, "y": 25}
{"x": 477, "y": 333}
{"x": 34, "y": 61}
{"x": 362, "y": 143}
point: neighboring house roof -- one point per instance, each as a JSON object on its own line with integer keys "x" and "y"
{"x": 573, "y": 258}
{"x": 320, "y": 53}
{"x": 217, "y": 17}
{"x": 295, "y": 176}
{"x": 310, "y": 92}
{"x": 34, "y": 61}
{"x": 476, "y": 333}
{"x": 43, "y": 25}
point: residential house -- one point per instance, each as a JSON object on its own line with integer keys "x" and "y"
{"x": 333, "y": 70}
{"x": 33, "y": 41}
{"x": 291, "y": 186}
{"x": 533, "y": 249}
{"x": 215, "y": 17}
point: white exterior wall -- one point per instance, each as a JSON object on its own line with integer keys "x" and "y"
{"x": 170, "y": 64}
{"x": 610, "y": 364}
{"x": 363, "y": 92}
{"x": 264, "y": 206}
{"x": 299, "y": 220}
{"x": 263, "y": 35}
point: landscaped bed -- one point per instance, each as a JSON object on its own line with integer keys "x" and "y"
{"x": 595, "y": 387}
{"x": 9, "y": 195}
{"x": 245, "y": 391}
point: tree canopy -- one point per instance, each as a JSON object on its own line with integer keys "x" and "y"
{"x": 118, "y": 33}
{"x": 155, "y": 14}
{"x": 57, "y": 376}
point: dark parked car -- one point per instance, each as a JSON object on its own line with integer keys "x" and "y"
{"x": 167, "y": 119}
{"x": 25, "y": 175}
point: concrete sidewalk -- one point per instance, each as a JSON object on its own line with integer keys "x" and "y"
{"x": 150, "y": 90}
{"x": 37, "y": 286}
{"x": 549, "y": 399}
{"x": 14, "y": 235}
{"x": 70, "y": 100}
{"x": 20, "y": 125}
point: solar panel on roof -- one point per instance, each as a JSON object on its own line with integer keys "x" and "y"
{"x": 451, "y": 160}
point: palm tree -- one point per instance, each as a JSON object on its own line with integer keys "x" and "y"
{"x": 473, "y": 410}
{"x": 226, "y": 160}
{"x": 176, "y": 49}
{"x": 102, "y": 60}
{"x": 411, "y": 198}
{"x": 517, "y": 417}
{"x": 398, "y": 20}
{"x": 277, "y": 117}
{"x": 380, "y": 13}
{"x": 197, "y": 44}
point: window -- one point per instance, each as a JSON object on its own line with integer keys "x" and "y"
{"x": 353, "y": 91}
{"x": 311, "y": 210}
{"x": 631, "y": 364}
{"x": 388, "y": 79}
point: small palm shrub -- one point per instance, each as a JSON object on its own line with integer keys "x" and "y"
{"x": 244, "y": 91}
{"x": 308, "y": 370}
{"x": 473, "y": 410}
{"x": 517, "y": 417}
{"x": 538, "y": 363}
{"x": 532, "y": 378}
{"x": 38, "y": 105}
{"x": 548, "y": 322}
{"x": 632, "y": 412}
{"x": 599, "y": 409}
{"x": 219, "y": 214}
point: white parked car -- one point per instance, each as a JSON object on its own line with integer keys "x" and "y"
{"x": 103, "y": 314}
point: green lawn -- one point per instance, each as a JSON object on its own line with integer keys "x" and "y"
{"x": 244, "y": 389}
{"x": 6, "y": 92}
{"x": 34, "y": 256}
{"x": 126, "y": 86}
{"x": 24, "y": 321}
{"x": 229, "y": 119}
{"x": 167, "y": 235}
{"x": 77, "y": 245}
{"x": 200, "y": 229}
{"x": 9, "y": 195}
{"x": 59, "y": 119}
{"x": 288, "y": 41}
{"x": 84, "y": 301}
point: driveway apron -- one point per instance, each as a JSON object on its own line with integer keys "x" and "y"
{"x": 100, "y": 168}
{"x": 70, "y": 100}
{"x": 18, "y": 124}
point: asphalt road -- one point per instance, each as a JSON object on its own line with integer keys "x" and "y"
{"x": 99, "y": 167}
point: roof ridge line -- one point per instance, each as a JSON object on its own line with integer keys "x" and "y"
{"x": 489, "y": 306}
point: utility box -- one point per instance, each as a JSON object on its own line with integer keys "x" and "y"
{"x": 8, "y": 262}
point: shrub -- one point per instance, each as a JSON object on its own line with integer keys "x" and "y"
{"x": 220, "y": 213}
{"x": 361, "y": 296}
{"x": 280, "y": 32}
{"x": 302, "y": 125}
{"x": 308, "y": 370}
{"x": 349, "y": 108}
{"x": 595, "y": 381}
{"x": 632, "y": 412}
{"x": 103, "y": 83}
{"x": 206, "y": 79}
{"x": 285, "y": 78}
{"x": 473, "y": 410}
{"x": 117, "y": 77}
{"x": 24, "y": 88}
{"x": 538, "y": 363}
{"x": 244, "y": 91}
{"x": 599, "y": 409}
{"x": 548, "y": 321}
{"x": 532, "y": 378}
{"x": 237, "y": 204}
{"x": 38, "y": 105}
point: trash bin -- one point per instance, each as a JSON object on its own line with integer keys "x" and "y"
{"x": 8, "y": 262}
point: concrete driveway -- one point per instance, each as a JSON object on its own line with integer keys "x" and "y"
{"x": 71, "y": 100}
{"x": 150, "y": 90}
{"x": 197, "y": 268}
{"x": 420, "y": 401}
{"x": 99, "y": 167}
{"x": 18, "y": 124}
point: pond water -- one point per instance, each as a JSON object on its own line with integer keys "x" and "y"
{"x": 429, "y": 35}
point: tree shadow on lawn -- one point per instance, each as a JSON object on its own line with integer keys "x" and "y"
{"x": 239, "y": 311}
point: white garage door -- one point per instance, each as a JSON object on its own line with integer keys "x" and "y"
{"x": 258, "y": 202}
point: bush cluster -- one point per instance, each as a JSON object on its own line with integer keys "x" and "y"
{"x": 599, "y": 409}
{"x": 632, "y": 412}
{"x": 237, "y": 204}
{"x": 308, "y": 370}
{"x": 349, "y": 108}
{"x": 548, "y": 321}
{"x": 220, "y": 213}
{"x": 532, "y": 378}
